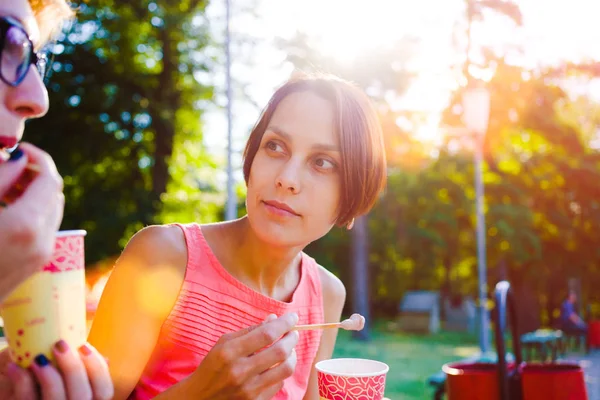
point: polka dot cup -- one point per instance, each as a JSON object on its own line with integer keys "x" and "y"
{"x": 351, "y": 379}
{"x": 50, "y": 305}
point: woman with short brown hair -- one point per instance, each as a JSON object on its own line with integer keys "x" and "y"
{"x": 361, "y": 142}
{"x": 190, "y": 311}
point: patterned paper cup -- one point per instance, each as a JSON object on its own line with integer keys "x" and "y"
{"x": 351, "y": 379}
{"x": 50, "y": 305}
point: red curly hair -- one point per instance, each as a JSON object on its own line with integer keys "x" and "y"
{"x": 50, "y": 15}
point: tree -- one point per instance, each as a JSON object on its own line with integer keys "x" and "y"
{"x": 124, "y": 124}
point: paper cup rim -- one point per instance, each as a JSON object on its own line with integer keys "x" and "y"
{"x": 73, "y": 232}
{"x": 384, "y": 368}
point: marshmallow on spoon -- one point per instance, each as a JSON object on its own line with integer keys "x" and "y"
{"x": 356, "y": 322}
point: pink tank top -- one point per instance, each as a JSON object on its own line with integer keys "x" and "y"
{"x": 211, "y": 303}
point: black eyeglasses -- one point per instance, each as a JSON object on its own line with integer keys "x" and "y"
{"x": 17, "y": 53}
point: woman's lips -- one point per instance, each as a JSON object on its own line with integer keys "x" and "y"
{"x": 7, "y": 142}
{"x": 280, "y": 209}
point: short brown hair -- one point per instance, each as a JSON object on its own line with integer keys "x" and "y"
{"x": 50, "y": 16}
{"x": 359, "y": 131}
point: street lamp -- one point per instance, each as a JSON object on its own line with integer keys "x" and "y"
{"x": 476, "y": 113}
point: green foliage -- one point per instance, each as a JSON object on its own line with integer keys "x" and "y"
{"x": 124, "y": 123}
{"x": 125, "y": 129}
{"x": 540, "y": 175}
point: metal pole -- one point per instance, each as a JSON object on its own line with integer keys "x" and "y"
{"x": 231, "y": 206}
{"x": 484, "y": 337}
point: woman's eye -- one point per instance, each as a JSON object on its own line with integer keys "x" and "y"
{"x": 273, "y": 146}
{"x": 324, "y": 163}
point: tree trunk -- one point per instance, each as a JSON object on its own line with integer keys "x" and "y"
{"x": 446, "y": 294}
{"x": 163, "y": 115}
{"x": 360, "y": 273}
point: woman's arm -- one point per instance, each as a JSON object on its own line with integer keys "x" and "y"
{"x": 334, "y": 297}
{"x": 139, "y": 295}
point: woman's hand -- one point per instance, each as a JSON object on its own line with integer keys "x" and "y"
{"x": 249, "y": 364}
{"x": 81, "y": 374}
{"x": 28, "y": 225}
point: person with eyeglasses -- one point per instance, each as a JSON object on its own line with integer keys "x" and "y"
{"x": 28, "y": 223}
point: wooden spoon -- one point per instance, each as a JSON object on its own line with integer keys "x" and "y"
{"x": 356, "y": 322}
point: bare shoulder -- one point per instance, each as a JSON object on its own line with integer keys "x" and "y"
{"x": 140, "y": 294}
{"x": 158, "y": 245}
{"x": 334, "y": 291}
{"x": 154, "y": 261}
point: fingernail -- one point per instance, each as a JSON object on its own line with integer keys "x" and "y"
{"x": 85, "y": 351}
{"x": 270, "y": 317}
{"x": 16, "y": 155}
{"x": 61, "y": 346}
{"x": 294, "y": 318}
{"x": 42, "y": 360}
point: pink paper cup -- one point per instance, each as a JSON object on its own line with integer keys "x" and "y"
{"x": 50, "y": 305}
{"x": 351, "y": 379}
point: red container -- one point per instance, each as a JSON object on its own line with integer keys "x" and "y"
{"x": 479, "y": 381}
{"x": 472, "y": 381}
{"x": 594, "y": 334}
{"x": 553, "y": 382}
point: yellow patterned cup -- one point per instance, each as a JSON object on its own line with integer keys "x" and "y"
{"x": 50, "y": 305}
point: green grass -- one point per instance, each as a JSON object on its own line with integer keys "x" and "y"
{"x": 412, "y": 358}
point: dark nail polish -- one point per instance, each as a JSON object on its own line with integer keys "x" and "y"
{"x": 85, "y": 351}
{"x": 42, "y": 360}
{"x": 61, "y": 346}
{"x": 16, "y": 155}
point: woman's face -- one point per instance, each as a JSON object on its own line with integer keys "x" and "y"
{"x": 294, "y": 183}
{"x": 29, "y": 99}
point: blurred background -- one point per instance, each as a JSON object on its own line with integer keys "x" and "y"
{"x": 152, "y": 101}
